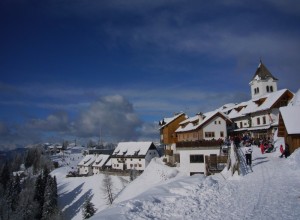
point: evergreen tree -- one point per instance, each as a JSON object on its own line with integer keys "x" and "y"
{"x": 27, "y": 207}
{"x": 13, "y": 192}
{"x": 50, "y": 199}
{"x": 88, "y": 209}
{"x": 39, "y": 195}
{"x": 5, "y": 175}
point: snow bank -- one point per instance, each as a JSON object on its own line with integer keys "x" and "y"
{"x": 294, "y": 160}
{"x": 156, "y": 172}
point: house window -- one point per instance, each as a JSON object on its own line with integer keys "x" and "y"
{"x": 219, "y": 122}
{"x": 135, "y": 165}
{"x": 131, "y": 165}
{"x": 221, "y": 134}
{"x": 264, "y": 120}
{"x": 268, "y": 89}
{"x": 258, "y": 121}
{"x": 215, "y": 122}
{"x": 209, "y": 134}
{"x": 196, "y": 158}
{"x": 139, "y": 159}
{"x": 140, "y": 165}
{"x": 271, "y": 88}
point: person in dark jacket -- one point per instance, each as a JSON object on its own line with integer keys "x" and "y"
{"x": 248, "y": 153}
{"x": 287, "y": 150}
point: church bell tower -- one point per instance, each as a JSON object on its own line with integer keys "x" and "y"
{"x": 263, "y": 82}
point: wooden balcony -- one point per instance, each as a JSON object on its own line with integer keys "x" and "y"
{"x": 200, "y": 143}
{"x": 215, "y": 164}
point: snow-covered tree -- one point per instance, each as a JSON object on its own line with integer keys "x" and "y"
{"x": 107, "y": 188}
{"x": 88, "y": 209}
{"x": 50, "y": 199}
{"x": 13, "y": 192}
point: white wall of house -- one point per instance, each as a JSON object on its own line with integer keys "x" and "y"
{"x": 216, "y": 126}
{"x": 116, "y": 164}
{"x": 134, "y": 163}
{"x": 85, "y": 170}
{"x": 242, "y": 122}
{"x": 187, "y": 167}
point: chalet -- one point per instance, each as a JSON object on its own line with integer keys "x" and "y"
{"x": 133, "y": 155}
{"x": 212, "y": 125}
{"x": 168, "y": 136}
{"x": 85, "y": 165}
{"x": 259, "y": 116}
{"x": 289, "y": 122}
{"x": 168, "y": 127}
{"x": 100, "y": 163}
{"x": 199, "y": 137}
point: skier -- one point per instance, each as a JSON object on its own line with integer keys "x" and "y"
{"x": 248, "y": 153}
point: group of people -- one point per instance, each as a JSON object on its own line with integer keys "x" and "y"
{"x": 266, "y": 147}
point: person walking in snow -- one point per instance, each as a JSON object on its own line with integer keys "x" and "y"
{"x": 262, "y": 148}
{"x": 248, "y": 153}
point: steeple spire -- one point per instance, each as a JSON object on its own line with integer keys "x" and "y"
{"x": 262, "y": 72}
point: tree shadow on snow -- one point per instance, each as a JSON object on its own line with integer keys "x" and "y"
{"x": 72, "y": 210}
{"x": 67, "y": 198}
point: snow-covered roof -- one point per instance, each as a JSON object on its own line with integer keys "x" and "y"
{"x": 132, "y": 148}
{"x": 296, "y": 100}
{"x": 167, "y": 121}
{"x": 290, "y": 116}
{"x": 251, "y": 106}
{"x": 193, "y": 124}
{"x": 100, "y": 160}
{"x": 87, "y": 160}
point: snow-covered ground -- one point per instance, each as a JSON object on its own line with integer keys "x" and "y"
{"x": 271, "y": 191}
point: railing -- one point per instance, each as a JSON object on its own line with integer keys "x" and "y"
{"x": 233, "y": 160}
{"x": 200, "y": 143}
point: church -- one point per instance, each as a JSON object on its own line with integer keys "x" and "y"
{"x": 259, "y": 116}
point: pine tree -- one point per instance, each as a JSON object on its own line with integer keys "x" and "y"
{"x": 13, "y": 192}
{"x": 50, "y": 199}
{"x": 5, "y": 176}
{"x": 39, "y": 195}
{"x": 88, "y": 209}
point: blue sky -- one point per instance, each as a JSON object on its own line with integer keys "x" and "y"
{"x": 72, "y": 68}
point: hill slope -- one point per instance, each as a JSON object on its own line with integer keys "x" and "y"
{"x": 271, "y": 191}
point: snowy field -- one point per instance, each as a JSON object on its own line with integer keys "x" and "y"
{"x": 271, "y": 191}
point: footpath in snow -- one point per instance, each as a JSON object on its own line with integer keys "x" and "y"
{"x": 271, "y": 191}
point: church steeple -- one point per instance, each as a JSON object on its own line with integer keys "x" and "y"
{"x": 262, "y": 82}
{"x": 262, "y": 72}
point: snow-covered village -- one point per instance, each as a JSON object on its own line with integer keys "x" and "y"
{"x": 159, "y": 110}
{"x": 240, "y": 161}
